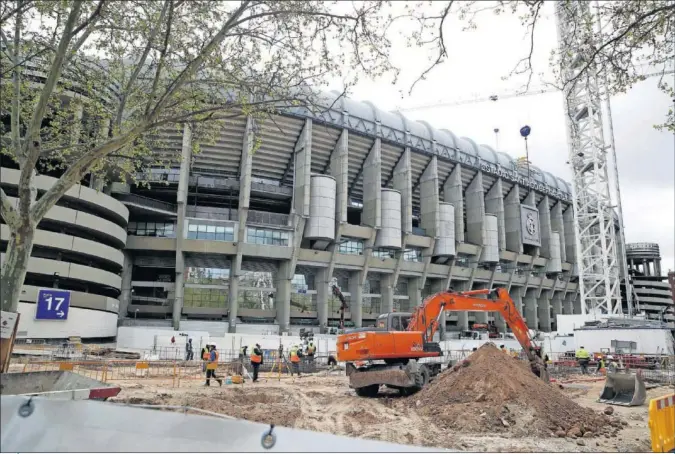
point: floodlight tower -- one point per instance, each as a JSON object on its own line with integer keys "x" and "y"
{"x": 594, "y": 217}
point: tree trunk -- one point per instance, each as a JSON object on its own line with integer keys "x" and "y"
{"x": 14, "y": 267}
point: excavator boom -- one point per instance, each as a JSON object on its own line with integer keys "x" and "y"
{"x": 425, "y": 316}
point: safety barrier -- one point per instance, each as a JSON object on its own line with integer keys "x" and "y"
{"x": 171, "y": 371}
{"x": 662, "y": 423}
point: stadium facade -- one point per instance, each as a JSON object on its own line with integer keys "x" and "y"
{"x": 240, "y": 234}
{"x": 393, "y": 209}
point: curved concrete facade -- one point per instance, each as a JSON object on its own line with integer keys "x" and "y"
{"x": 652, "y": 293}
{"x": 79, "y": 248}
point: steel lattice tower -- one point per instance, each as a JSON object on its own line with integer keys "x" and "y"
{"x": 594, "y": 217}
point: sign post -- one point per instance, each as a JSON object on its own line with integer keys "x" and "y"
{"x": 9, "y": 322}
{"x": 52, "y": 304}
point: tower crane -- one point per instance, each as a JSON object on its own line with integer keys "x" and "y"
{"x": 601, "y": 256}
{"x": 506, "y": 94}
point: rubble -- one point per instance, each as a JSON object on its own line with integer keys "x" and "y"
{"x": 513, "y": 399}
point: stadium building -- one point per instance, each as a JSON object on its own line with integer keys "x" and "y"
{"x": 652, "y": 293}
{"x": 393, "y": 209}
{"x": 240, "y": 235}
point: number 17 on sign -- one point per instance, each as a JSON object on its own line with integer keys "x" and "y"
{"x": 52, "y": 304}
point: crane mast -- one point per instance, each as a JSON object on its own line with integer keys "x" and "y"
{"x": 597, "y": 248}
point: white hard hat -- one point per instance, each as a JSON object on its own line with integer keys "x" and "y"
{"x": 610, "y": 357}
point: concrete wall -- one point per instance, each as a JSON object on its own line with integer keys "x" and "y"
{"x": 85, "y": 323}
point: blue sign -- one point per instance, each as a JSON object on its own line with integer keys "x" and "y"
{"x": 52, "y": 304}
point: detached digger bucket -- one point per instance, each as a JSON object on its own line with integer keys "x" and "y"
{"x": 624, "y": 389}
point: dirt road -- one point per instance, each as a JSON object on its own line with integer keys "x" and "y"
{"x": 326, "y": 404}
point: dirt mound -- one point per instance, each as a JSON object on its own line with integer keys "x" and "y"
{"x": 493, "y": 392}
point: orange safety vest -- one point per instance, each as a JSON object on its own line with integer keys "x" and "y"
{"x": 205, "y": 356}
{"x": 216, "y": 355}
{"x": 256, "y": 359}
{"x": 294, "y": 356}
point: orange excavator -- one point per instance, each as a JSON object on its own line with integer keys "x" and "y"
{"x": 390, "y": 354}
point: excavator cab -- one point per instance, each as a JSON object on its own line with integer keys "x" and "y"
{"x": 393, "y": 321}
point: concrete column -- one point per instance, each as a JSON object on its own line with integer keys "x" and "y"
{"x": 531, "y": 309}
{"x": 658, "y": 267}
{"x": 429, "y": 216}
{"x": 513, "y": 226}
{"x": 475, "y": 210}
{"x": 96, "y": 183}
{"x": 339, "y": 169}
{"x": 463, "y": 316}
{"x": 303, "y": 170}
{"x": 244, "y": 203}
{"x": 576, "y": 303}
{"x": 322, "y": 293}
{"x": 570, "y": 240}
{"x": 494, "y": 204}
{"x": 282, "y": 297}
{"x": 517, "y": 297}
{"x": 481, "y": 317}
{"x": 544, "y": 311}
{"x": 414, "y": 292}
{"x": 403, "y": 182}
{"x": 558, "y": 225}
{"x": 437, "y": 285}
{"x": 302, "y": 155}
{"x": 567, "y": 305}
{"x": 125, "y": 296}
{"x": 545, "y": 227}
{"x": 372, "y": 187}
{"x": 452, "y": 193}
{"x": 556, "y": 306}
{"x": 500, "y": 323}
{"x": 76, "y": 129}
{"x": 387, "y": 294}
{"x": 356, "y": 298}
{"x": 181, "y": 199}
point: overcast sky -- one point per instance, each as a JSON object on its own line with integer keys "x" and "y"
{"x": 477, "y": 62}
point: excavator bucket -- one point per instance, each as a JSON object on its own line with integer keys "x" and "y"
{"x": 624, "y": 389}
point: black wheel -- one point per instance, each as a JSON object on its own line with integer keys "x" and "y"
{"x": 423, "y": 376}
{"x": 368, "y": 391}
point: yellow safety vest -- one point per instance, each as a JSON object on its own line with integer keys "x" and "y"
{"x": 582, "y": 354}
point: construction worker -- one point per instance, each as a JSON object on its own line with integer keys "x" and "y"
{"x": 295, "y": 359}
{"x": 242, "y": 351}
{"x": 583, "y": 357}
{"x": 612, "y": 366}
{"x": 256, "y": 360}
{"x": 205, "y": 356}
{"x": 311, "y": 350}
{"x": 189, "y": 352}
{"x": 601, "y": 369}
{"x": 211, "y": 373}
{"x": 503, "y": 348}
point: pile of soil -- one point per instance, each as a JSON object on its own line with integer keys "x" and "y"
{"x": 493, "y": 392}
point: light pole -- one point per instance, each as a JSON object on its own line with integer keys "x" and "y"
{"x": 524, "y": 132}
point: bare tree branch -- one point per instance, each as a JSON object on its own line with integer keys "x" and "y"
{"x": 18, "y": 10}
{"x": 140, "y": 65}
{"x": 442, "y": 51}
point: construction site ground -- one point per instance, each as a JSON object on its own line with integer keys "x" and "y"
{"x": 325, "y": 403}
